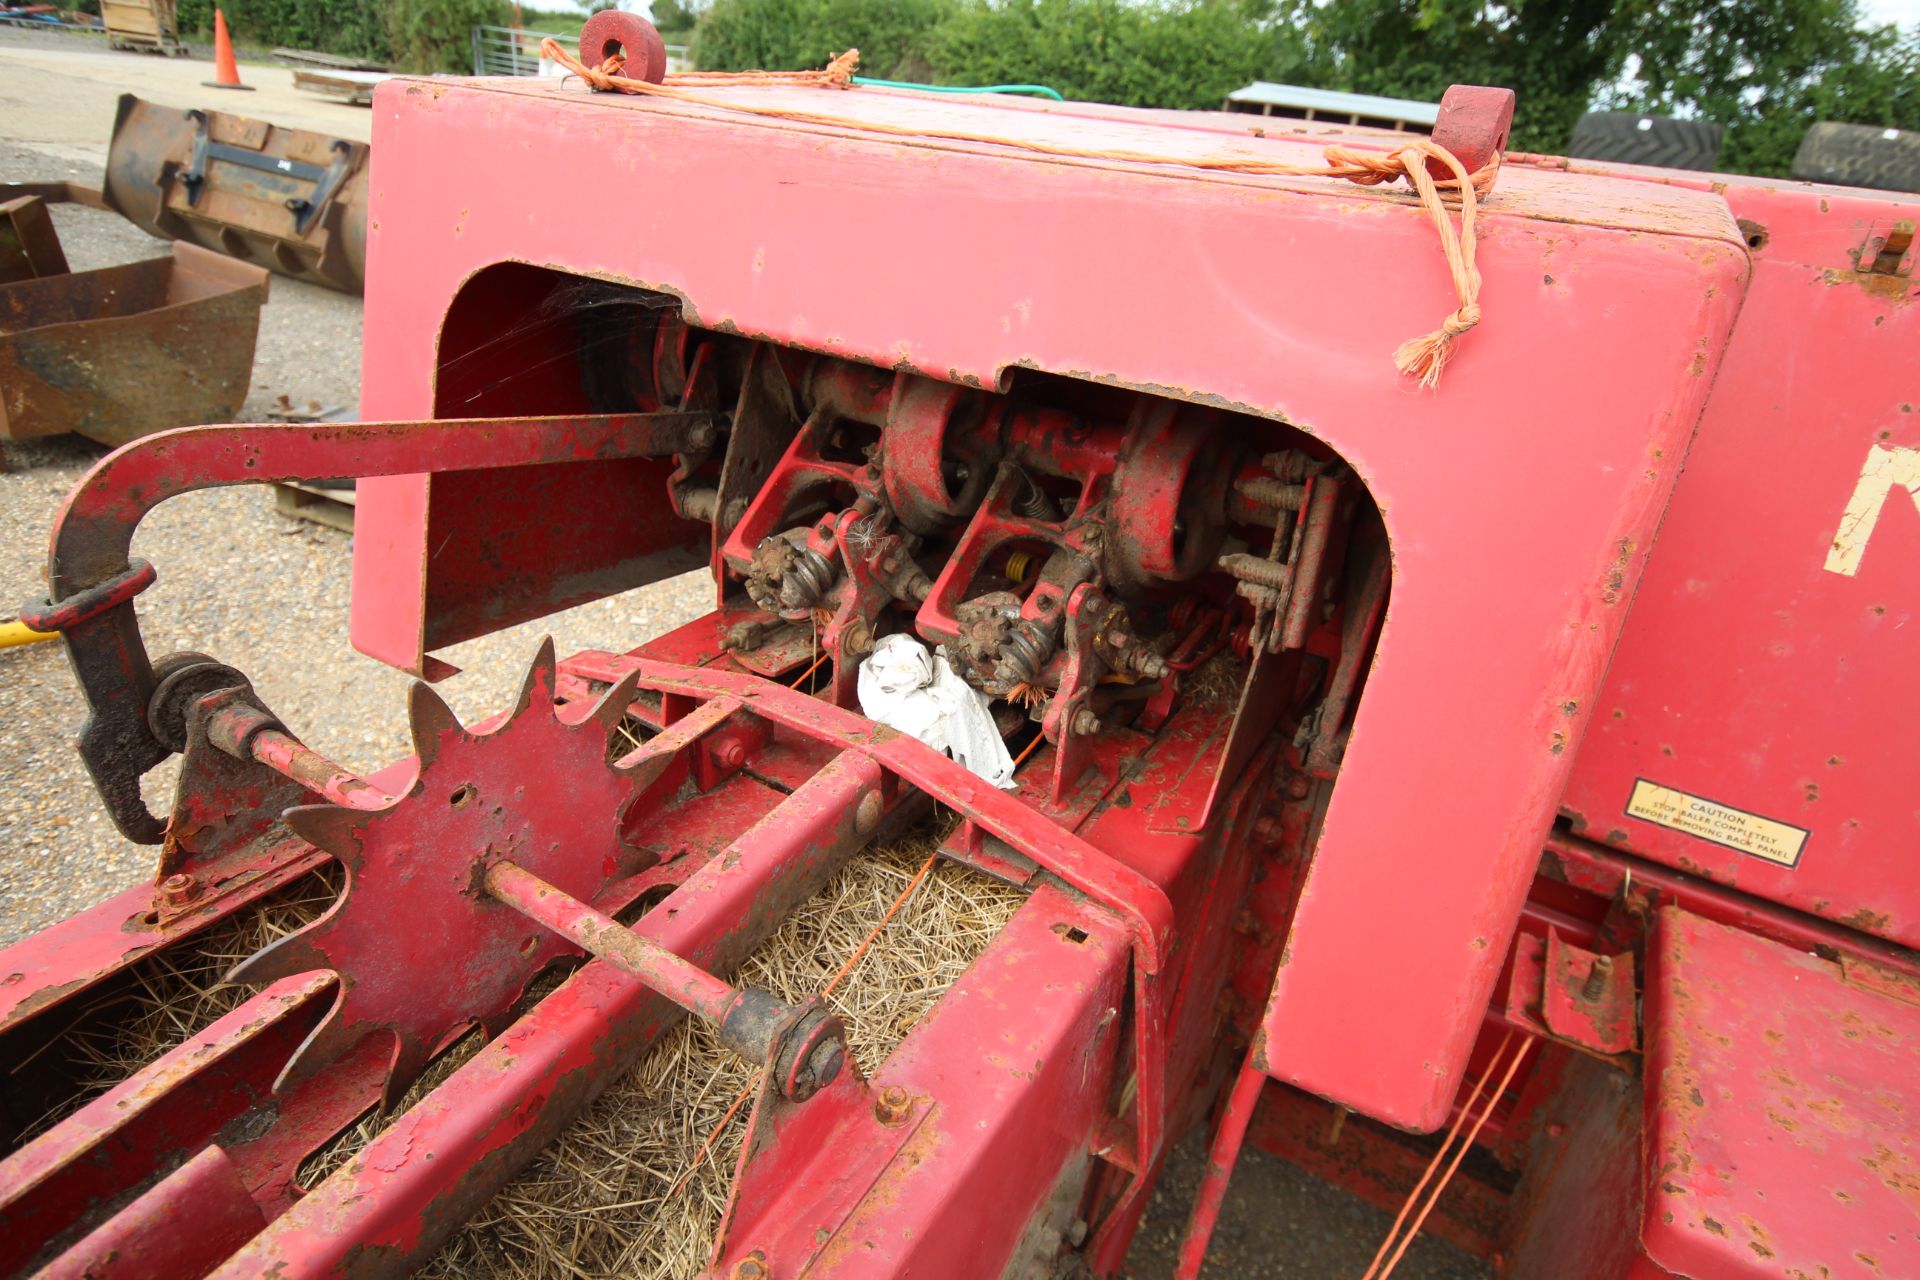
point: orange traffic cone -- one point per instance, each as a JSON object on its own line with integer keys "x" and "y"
{"x": 226, "y": 73}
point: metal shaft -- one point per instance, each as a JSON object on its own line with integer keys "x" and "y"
{"x": 245, "y": 732}
{"x": 684, "y": 983}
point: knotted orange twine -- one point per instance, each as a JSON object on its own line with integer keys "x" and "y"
{"x": 1421, "y": 358}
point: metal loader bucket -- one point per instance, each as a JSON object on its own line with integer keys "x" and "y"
{"x": 292, "y": 201}
{"x": 127, "y": 351}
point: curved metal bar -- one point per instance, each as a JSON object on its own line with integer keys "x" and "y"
{"x": 94, "y": 532}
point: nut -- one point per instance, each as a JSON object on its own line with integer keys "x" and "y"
{"x": 1085, "y": 722}
{"x": 891, "y": 1105}
{"x": 752, "y": 1267}
{"x": 179, "y": 889}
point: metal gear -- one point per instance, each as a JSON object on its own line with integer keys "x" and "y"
{"x": 422, "y": 952}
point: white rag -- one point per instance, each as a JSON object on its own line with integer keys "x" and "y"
{"x": 919, "y": 693}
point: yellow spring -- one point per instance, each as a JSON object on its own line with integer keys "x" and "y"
{"x": 1017, "y": 564}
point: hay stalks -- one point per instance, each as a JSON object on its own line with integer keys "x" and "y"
{"x": 167, "y": 998}
{"x": 620, "y": 1192}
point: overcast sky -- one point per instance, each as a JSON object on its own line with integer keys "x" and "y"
{"x": 1902, "y": 12}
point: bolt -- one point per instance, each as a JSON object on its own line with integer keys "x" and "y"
{"x": 1257, "y": 570}
{"x": 857, "y": 639}
{"x": 1299, "y": 787}
{"x": 1085, "y": 722}
{"x": 743, "y": 635}
{"x": 891, "y": 1104}
{"x": 736, "y": 512}
{"x": 731, "y": 755}
{"x": 1150, "y": 664}
{"x": 752, "y": 1267}
{"x": 1597, "y": 976}
{"x": 1556, "y": 1130}
{"x": 823, "y": 1066}
{"x": 1077, "y": 1233}
{"x": 1274, "y": 494}
{"x": 179, "y": 889}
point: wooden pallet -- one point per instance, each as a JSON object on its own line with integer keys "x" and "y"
{"x": 330, "y": 507}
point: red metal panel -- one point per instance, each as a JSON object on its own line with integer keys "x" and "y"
{"x": 1003, "y": 1088}
{"x": 1521, "y": 498}
{"x": 1769, "y": 667}
{"x": 1779, "y": 1112}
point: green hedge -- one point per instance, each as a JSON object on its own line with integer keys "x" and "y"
{"x": 751, "y": 35}
{"x": 1767, "y": 69}
{"x": 409, "y": 35}
{"x": 1188, "y": 54}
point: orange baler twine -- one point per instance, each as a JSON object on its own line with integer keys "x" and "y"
{"x": 1421, "y": 358}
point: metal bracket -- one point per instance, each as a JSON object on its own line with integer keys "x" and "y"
{"x": 305, "y": 209}
{"x": 92, "y": 580}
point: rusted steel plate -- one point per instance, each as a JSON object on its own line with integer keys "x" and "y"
{"x": 126, "y": 351}
{"x": 291, "y": 201}
{"x": 29, "y": 247}
{"x": 1779, "y": 1112}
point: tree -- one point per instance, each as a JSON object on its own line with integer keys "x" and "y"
{"x": 1770, "y": 69}
{"x": 1767, "y": 69}
{"x": 789, "y": 35}
{"x": 437, "y": 35}
{"x": 1186, "y": 54}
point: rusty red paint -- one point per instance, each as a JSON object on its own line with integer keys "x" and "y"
{"x": 1747, "y": 563}
{"x": 1773, "y": 1146}
{"x": 1168, "y": 870}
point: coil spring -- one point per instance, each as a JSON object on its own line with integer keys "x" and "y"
{"x": 1018, "y": 563}
{"x": 1033, "y": 502}
{"x": 807, "y": 577}
{"x": 1022, "y": 655}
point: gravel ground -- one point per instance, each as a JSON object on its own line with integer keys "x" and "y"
{"x": 263, "y": 592}
{"x": 270, "y": 594}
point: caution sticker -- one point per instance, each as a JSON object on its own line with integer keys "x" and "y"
{"x": 1777, "y": 842}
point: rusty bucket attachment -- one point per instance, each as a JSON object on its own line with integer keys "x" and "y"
{"x": 292, "y": 201}
{"x": 125, "y": 351}
{"x": 28, "y": 245}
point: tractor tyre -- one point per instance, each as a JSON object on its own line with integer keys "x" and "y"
{"x": 1629, "y": 137}
{"x": 1859, "y": 155}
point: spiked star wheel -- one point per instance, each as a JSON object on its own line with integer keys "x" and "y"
{"x": 421, "y": 950}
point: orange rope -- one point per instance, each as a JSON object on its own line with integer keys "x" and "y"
{"x": 853, "y": 962}
{"x": 693, "y": 1166}
{"x": 1374, "y": 1270}
{"x": 1506, "y": 1077}
{"x": 809, "y": 671}
{"x": 1422, "y": 358}
{"x": 1029, "y": 749}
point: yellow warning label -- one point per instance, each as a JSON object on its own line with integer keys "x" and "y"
{"x": 1735, "y": 828}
